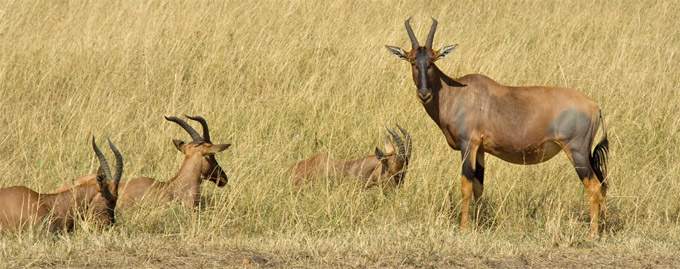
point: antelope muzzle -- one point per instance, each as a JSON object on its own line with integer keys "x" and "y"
{"x": 424, "y": 95}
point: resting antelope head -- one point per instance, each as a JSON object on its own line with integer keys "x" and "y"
{"x": 105, "y": 203}
{"x": 210, "y": 169}
{"x": 394, "y": 162}
{"x": 422, "y": 60}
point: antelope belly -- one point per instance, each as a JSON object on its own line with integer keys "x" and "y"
{"x": 529, "y": 155}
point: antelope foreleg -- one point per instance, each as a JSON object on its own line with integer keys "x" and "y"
{"x": 478, "y": 189}
{"x": 467, "y": 185}
{"x": 478, "y": 184}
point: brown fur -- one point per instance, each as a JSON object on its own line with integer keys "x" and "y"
{"x": 21, "y": 207}
{"x": 522, "y": 125}
{"x": 385, "y": 169}
{"x": 184, "y": 187}
{"x": 199, "y": 163}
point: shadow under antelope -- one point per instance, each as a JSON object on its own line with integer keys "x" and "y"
{"x": 21, "y": 207}
{"x": 387, "y": 167}
{"x": 199, "y": 163}
{"x": 521, "y": 125}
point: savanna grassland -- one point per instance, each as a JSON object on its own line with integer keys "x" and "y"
{"x": 282, "y": 80}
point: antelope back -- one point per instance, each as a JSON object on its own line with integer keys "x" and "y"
{"x": 317, "y": 166}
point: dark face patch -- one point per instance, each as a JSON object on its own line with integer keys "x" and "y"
{"x": 422, "y": 64}
{"x": 111, "y": 205}
{"x": 105, "y": 207}
{"x": 213, "y": 172}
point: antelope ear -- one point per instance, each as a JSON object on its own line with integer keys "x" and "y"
{"x": 379, "y": 154}
{"x": 389, "y": 148}
{"x": 212, "y": 149}
{"x": 442, "y": 53}
{"x": 179, "y": 144}
{"x": 101, "y": 180}
{"x": 101, "y": 176}
{"x": 397, "y": 52}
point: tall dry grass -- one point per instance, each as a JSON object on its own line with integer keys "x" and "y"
{"x": 282, "y": 80}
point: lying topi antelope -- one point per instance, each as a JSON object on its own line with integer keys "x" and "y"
{"x": 522, "y": 125}
{"x": 21, "y": 206}
{"x": 388, "y": 167}
{"x": 199, "y": 162}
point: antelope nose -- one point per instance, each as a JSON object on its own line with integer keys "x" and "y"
{"x": 222, "y": 183}
{"x": 424, "y": 96}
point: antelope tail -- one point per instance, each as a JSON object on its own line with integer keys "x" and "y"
{"x": 598, "y": 160}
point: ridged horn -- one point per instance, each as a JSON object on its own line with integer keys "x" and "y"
{"x": 119, "y": 164}
{"x": 194, "y": 135}
{"x": 204, "y": 124}
{"x": 430, "y": 36}
{"x": 401, "y": 155}
{"x": 414, "y": 40}
{"x": 409, "y": 142}
{"x": 102, "y": 161}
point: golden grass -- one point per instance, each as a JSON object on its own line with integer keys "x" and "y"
{"x": 282, "y": 80}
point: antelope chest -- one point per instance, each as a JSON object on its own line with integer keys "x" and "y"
{"x": 451, "y": 135}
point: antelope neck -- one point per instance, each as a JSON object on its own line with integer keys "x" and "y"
{"x": 189, "y": 172}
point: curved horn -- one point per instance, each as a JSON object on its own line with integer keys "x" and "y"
{"x": 414, "y": 40}
{"x": 409, "y": 142}
{"x": 119, "y": 164}
{"x": 204, "y": 124}
{"x": 430, "y": 37}
{"x": 102, "y": 161}
{"x": 401, "y": 156}
{"x": 194, "y": 135}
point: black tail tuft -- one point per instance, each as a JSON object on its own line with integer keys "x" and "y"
{"x": 599, "y": 159}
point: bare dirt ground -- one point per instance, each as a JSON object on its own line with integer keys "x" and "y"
{"x": 208, "y": 258}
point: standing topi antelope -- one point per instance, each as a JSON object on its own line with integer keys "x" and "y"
{"x": 185, "y": 187}
{"x": 383, "y": 167}
{"x": 21, "y": 207}
{"x": 522, "y": 125}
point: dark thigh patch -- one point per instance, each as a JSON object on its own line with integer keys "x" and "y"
{"x": 569, "y": 126}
